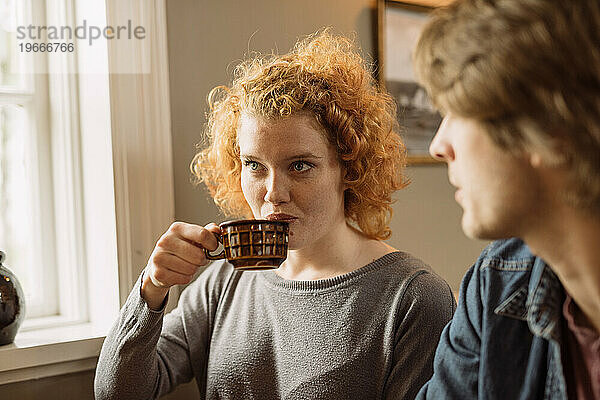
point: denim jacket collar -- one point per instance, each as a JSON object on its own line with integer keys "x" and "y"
{"x": 539, "y": 302}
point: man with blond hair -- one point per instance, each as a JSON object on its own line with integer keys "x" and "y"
{"x": 518, "y": 83}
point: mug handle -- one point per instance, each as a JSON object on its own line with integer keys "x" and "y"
{"x": 219, "y": 256}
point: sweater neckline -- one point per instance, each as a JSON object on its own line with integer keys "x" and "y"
{"x": 322, "y": 284}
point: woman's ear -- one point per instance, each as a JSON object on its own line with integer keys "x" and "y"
{"x": 345, "y": 184}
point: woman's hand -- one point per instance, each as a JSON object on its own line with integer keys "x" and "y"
{"x": 176, "y": 257}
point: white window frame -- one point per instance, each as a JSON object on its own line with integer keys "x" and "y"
{"x": 127, "y": 187}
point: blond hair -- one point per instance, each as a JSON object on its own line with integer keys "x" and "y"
{"x": 529, "y": 72}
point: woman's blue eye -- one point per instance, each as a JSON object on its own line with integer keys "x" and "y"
{"x": 253, "y": 165}
{"x": 300, "y": 166}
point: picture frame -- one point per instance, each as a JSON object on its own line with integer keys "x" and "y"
{"x": 399, "y": 24}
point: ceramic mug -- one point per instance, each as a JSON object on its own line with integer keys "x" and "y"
{"x": 253, "y": 244}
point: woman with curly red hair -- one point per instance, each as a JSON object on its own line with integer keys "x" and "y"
{"x": 308, "y": 138}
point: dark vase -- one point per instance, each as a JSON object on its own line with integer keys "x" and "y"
{"x": 12, "y": 304}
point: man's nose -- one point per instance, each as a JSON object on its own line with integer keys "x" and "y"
{"x": 278, "y": 190}
{"x": 440, "y": 148}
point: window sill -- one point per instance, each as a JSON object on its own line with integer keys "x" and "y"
{"x": 49, "y": 352}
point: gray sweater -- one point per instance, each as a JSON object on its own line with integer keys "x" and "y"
{"x": 368, "y": 334}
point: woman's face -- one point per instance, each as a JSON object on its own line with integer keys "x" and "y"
{"x": 291, "y": 172}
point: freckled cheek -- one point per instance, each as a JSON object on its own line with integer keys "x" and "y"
{"x": 320, "y": 199}
{"x": 251, "y": 191}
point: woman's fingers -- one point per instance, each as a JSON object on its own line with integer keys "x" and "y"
{"x": 204, "y": 236}
{"x": 176, "y": 258}
{"x": 174, "y": 263}
{"x": 167, "y": 270}
{"x": 172, "y": 244}
{"x": 180, "y": 252}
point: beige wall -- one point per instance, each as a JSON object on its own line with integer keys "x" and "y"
{"x": 206, "y": 37}
{"x": 426, "y": 223}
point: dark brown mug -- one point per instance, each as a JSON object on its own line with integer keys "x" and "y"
{"x": 253, "y": 244}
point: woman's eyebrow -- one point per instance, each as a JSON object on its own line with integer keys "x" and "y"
{"x": 304, "y": 155}
{"x": 249, "y": 156}
{"x": 294, "y": 157}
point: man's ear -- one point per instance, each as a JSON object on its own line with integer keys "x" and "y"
{"x": 552, "y": 160}
{"x": 550, "y": 157}
{"x": 535, "y": 159}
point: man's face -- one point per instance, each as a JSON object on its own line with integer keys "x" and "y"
{"x": 497, "y": 190}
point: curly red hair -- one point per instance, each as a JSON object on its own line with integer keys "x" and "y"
{"x": 325, "y": 76}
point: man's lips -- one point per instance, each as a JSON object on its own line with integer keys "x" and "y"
{"x": 458, "y": 195}
{"x": 280, "y": 217}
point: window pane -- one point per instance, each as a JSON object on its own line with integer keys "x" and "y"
{"x": 17, "y": 211}
{"x": 8, "y": 43}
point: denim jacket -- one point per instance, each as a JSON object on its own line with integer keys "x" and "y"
{"x": 505, "y": 339}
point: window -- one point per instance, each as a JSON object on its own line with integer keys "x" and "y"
{"x": 40, "y": 223}
{"x": 25, "y": 165}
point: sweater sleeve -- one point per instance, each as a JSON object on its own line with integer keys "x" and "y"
{"x": 427, "y": 306}
{"x": 145, "y": 355}
{"x": 456, "y": 363}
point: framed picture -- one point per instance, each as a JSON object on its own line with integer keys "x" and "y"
{"x": 399, "y": 24}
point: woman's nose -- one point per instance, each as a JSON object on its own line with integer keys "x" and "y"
{"x": 278, "y": 190}
{"x": 440, "y": 148}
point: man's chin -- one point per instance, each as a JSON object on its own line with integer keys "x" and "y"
{"x": 476, "y": 231}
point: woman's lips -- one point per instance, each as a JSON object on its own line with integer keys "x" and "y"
{"x": 281, "y": 217}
